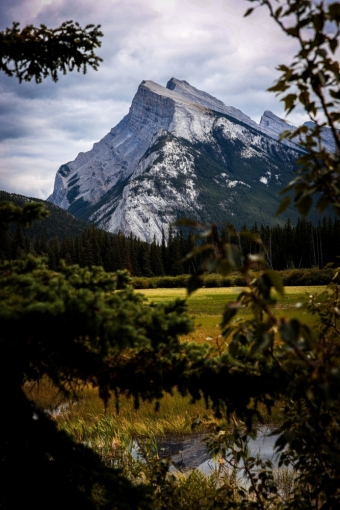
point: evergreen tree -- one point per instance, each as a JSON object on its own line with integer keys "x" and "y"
{"x": 18, "y": 246}
{"x": 156, "y": 258}
{"x": 134, "y": 249}
{"x": 5, "y": 246}
{"x": 105, "y": 251}
{"x": 144, "y": 257}
{"x": 164, "y": 253}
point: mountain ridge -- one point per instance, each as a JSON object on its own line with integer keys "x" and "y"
{"x": 59, "y": 223}
{"x": 178, "y": 152}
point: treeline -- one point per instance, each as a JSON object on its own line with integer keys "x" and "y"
{"x": 96, "y": 247}
{"x": 302, "y": 246}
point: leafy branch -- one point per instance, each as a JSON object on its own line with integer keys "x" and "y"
{"x": 39, "y": 52}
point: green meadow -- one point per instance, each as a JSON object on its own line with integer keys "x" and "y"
{"x": 206, "y": 306}
{"x": 87, "y": 420}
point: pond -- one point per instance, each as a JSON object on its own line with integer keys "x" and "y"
{"x": 191, "y": 453}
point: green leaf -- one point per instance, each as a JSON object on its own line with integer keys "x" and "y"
{"x": 279, "y": 86}
{"x": 284, "y": 134}
{"x": 335, "y": 93}
{"x": 262, "y": 343}
{"x": 210, "y": 265}
{"x": 224, "y": 268}
{"x": 289, "y": 100}
{"x": 293, "y": 31}
{"x": 285, "y": 202}
{"x": 255, "y": 238}
{"x": 233, "y": 255}
{"x": 197, "y": 250}
{"x": 334, "y": 11}
{"x": 278, "y": 12}
{"x": 318, "y": 22}
{"x": 186, "y": 222}
{"x": 233, "y": 348}
{"x": 290, "y": 330}
{"x": 322, "y": 76}
{"x": 264, "y": 284}
{"x": 304, "y": 205}
{"x": 323, "y": 203}
{"x": 276, "y": 280}
{"x": 195, "y": 282}
{"x": 229, "y": 312}
{"x": 226, "y": 332}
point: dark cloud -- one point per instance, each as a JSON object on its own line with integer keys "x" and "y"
{"x": 9, "y": 128}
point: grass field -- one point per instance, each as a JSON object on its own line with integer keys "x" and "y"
{"x": 86, "y": 418}
{"x": 211, "y": 301}
{"x": 206, "y": 306}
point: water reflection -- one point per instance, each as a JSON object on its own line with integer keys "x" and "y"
{"x": 191, "y": 453}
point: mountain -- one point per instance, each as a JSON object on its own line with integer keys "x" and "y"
{"x": 59, "y": 223}
{"x": 179, "y": 152}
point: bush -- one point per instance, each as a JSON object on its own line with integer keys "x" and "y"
{"x": 140, "y": 282}
{"x": 302, "y": 277}
{"x": 289, "y": 277}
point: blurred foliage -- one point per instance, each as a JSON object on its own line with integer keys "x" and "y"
{"x": 311, "y": 80}
{"x": 281, "y": 358}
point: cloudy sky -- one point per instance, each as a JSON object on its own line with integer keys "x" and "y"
{"x": 205, "y": 42}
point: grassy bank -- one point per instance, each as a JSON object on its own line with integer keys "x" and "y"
{"x": 89, "y": 422}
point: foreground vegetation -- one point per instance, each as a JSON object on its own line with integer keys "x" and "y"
{"x": 86, "y": 418}
{"x": 111, "y": 434}
{"x": 85, "y": 328}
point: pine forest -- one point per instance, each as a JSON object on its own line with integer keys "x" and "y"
{"x": 306, "y": 246}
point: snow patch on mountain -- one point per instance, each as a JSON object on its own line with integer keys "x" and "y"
{"x": 224, "y": 180}
{"x": 227, "y": 206}
{"x": 153, "y": 198}
{"x": 266, "y": 178}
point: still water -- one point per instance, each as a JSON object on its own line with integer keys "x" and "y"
{"x": 191, "y": 453}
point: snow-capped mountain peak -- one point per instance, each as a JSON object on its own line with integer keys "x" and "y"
{"x": 178, "y": 152}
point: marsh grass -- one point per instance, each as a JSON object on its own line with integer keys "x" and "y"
{"x": 174, "y": 416}
{"x": 84, "y": 416}
{"x": 172, "y": 489}
{"x": 286, "y": 481}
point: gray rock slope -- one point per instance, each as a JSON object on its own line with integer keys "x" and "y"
{"x": 179, "y": 152}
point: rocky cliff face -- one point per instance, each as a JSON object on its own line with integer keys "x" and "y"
{"x": 273, "y": 125}
{"x": 178, "y": 152}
